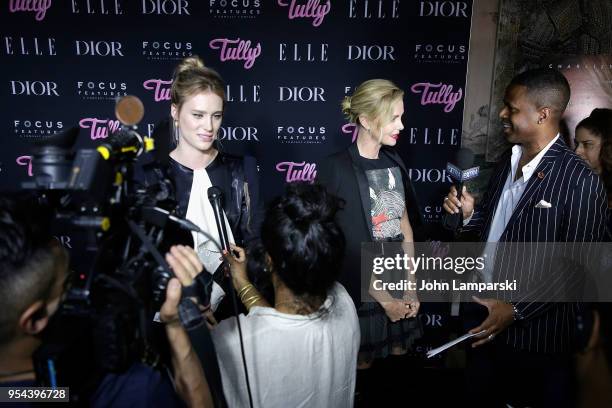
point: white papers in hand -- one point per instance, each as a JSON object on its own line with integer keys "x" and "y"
{"x": 451, "y": 343}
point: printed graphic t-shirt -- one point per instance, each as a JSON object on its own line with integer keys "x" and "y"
{"x": 387, "y": 199}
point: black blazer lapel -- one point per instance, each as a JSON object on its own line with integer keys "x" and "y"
{"x": 364, "y": 187}
{"x": 535, "y": 182}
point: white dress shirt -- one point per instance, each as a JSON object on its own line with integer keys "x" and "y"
{"x": 509, "y": 198}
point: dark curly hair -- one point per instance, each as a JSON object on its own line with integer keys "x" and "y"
{"x": 303, "y": 239}
{"x": 599, "y": 122}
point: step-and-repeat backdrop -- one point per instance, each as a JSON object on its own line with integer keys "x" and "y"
{"x": 287, "y": 66}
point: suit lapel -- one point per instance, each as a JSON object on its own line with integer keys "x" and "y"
{"x": 535, "y": 181}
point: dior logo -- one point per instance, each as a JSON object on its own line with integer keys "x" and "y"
{"x": 242, "y": 93}
{"x": 29, "y": 46}
{"x": 434, "y": 136}
{"x": 160, "y": 88}
{"x": 98, "y": 48}
{"x": 433, "y": 320}
{"x": 34, "y": 88}
{"x": 107, "y": 7}
{"x": 64, "y": 240}
{"x": 429, "y": 176}
{"x": 371, "y": 53}
{"x": 39, "y": 6}
{"x": 443, "y": 9}
{"x": 376, "y": 9}
{"x": 301, "y": 94}
{"x": 99, "y": 128}
{"x": 303, "y": 52}
{"x": 298, "y": 171}
{"x": 311, "y": 9}
{"x": 167, "y": 7}
{"x": 238, "y": 133}
{"x": 237, "y": 50}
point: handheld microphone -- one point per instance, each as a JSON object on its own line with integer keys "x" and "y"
{"x": 460, "y": 172}
{"x": 215, "y": 196}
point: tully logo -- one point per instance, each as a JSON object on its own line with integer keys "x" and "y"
{"x": 298, "y": 171}
{"x": 312, "y": 9}
{"x": 99, "y": 128}
{"x": 439, "y": 94}
{"x": 25, "y": 161}
{"x": 160, "y": 88}
{"x": 39, "y": 6}
{"x": 351, "y": 129}
{"x": 236, "y": 50}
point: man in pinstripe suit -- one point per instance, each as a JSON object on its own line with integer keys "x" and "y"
{"x": 540, "y": 192}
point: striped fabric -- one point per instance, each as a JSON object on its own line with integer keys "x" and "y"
{"x": 577, "y": 215}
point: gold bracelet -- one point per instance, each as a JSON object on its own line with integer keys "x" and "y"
{"x": 246, "y": 294}
{"x": 245, "y": 301}
{"x": 250, "y": 305}
{"x": 244, "y": 289}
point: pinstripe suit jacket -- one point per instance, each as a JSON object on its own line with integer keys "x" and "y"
{"x": 577, "y": 215}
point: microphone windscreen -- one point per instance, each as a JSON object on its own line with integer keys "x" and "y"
{"x": 214, "y": 193}
{"x": 464, "y": 158}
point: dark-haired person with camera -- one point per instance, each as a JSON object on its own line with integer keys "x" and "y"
{"x": 301, "y": 347}
{"x": 33, "y": 270}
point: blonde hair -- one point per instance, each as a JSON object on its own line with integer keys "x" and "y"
{"x": 192, "y": 76}
{"x": 374, "y": 99}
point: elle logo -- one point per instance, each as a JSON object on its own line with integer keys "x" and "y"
{"x": 25, "y": 161}
{"x": 312, "y": 9}
{"x": 236, "y": 50}
{"x": 99, "y": 128}
{"x": 440, "y": 94}
{"x": 160, "y": 88}
{"x": 39, "y": 6}
{"x": 298, "y": 171}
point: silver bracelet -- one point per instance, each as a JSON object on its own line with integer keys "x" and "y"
{"x": 516, "y": 315}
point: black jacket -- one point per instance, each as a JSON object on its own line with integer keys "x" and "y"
{"x": 342, "y": 175}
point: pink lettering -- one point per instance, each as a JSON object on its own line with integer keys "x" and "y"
{"x": 440, "y": 94}
{"x": 25, "y": 161}
{"x": 312, "y": 9}
{"x": 39, "y": 6}
{"x": 99, "y": 128}
{"x": 351, "y": 129}
{"x": 237, "y": 50}
{"x": 160, "y": 88}
{"x": 298, "y": 171}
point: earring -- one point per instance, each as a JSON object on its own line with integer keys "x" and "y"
{"x": 539, "y": 121}
{"x": 176, "y": 132}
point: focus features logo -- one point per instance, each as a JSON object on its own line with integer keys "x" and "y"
{"x": 446, "y": 53}
{"x": 310, "y": 134}
{"x": 166, "y": 50}
{"x": 101, "y": 89}
{"x": 36, "y": 127}
{"x": 234, "y": 8}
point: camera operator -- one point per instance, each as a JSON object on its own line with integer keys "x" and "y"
{"x": 33, "y": 270}
{"x": 302, "y": 348}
